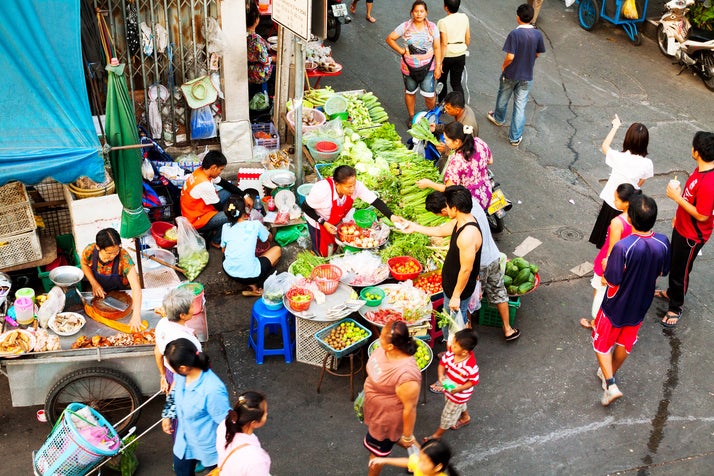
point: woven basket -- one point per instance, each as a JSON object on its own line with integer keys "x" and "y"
{"x": 327, "y": 277}
{"x": 15, "y": 210}
{"x": 107, "y": 189}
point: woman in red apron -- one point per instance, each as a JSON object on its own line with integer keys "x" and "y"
{"x": 330, "y": 201}
{"x": 108, "y": 267}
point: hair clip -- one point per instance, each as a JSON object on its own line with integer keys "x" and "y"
{"x": 242, "y": 400}
{"x": 468, "y": 129}
{"x": 231, "y": 207}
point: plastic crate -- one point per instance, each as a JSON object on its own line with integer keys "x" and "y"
{"x": 321, "y": 335}
{"x": 19, "y": 249}
{"x": 488, "y": 314}
{"x": 307, "y": 349}
{"x": 66, "y": 244}
{"x": 271, "y": 144}
{"x": 16, "y": 215}
{"x": 163, "y": 212}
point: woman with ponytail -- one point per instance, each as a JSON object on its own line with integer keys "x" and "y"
{"x": 201, "y": 402}
{"x": 467, "y": 165}
{"x": 235, "y": 435}
{"x": 433, "y": 459}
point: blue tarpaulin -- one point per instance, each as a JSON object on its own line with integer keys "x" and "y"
{"x": 46, "y": 127}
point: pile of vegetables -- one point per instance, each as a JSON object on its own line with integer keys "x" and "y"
{"x": 520, "y": 276}
{"x": 305, "y": 262}
{"x": 421, "y": 131}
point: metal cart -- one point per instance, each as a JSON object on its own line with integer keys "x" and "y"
{"x": 590, "y": 12}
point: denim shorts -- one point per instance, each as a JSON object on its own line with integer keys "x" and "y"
{"x": 426, "y": 86}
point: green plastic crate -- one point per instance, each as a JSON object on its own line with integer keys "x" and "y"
{"x": 488, "y": 314}
{"x": 66, "y": 244}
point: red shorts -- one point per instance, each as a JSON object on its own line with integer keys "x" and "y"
{"x": 606, "y": 336}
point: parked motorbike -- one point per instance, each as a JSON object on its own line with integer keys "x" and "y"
{"x": 336, "y": 16}
{"x": 498, "y": 207}
{"x": 691, "y": 47}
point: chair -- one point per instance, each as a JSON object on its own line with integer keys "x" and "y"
{"x": 274, "y": 320}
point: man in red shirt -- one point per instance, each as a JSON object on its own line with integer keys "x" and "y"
{"x": 693, "y": 223}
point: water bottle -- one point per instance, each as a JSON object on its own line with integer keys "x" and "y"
{"x": 413, "y": 450}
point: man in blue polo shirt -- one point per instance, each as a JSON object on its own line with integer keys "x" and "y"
{"x": 523, "y": 45}
{"x": 631, "y": 273}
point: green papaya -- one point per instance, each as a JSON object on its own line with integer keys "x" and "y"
{"x": 522, "y": 276}
{"x": 534, "y": 268}
{"x": 511, "y": 270}
{"x": 520, "y": 262}
{"x": 531, "y": 278}
{"x": 512, "y": 290}
{"x": 507, "y": 280}
{"x": 525, "y": 287}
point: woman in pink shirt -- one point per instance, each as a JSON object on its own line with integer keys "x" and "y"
{"x": 239, "y": 451}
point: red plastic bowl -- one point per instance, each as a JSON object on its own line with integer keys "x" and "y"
{"x": 326, "y": 146}
{"x": 158, "y": 229}
{"x": 396, "y": 261}
{"x": 327, "y": 277}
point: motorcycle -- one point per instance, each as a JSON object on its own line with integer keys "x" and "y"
{"x": 692, "y": 48}
{"x": 336, "y": 16}
{"x": 498, "y": 207}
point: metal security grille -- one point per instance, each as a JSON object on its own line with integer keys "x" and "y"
{"x": 162, "y": 42}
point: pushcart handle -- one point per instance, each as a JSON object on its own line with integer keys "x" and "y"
{"x": 139, "y": 407}
{"x": 106, "y": 460}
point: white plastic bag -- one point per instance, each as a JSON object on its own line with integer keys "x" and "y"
{"x": 456, "y": 323}
{"x": 147, "y": 170}
{"x": 193, "y": 255}
{"x": 276, "y": 286}
{"x": 53, "y": 305}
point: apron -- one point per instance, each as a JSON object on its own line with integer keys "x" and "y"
{"x": 111, "y": 282}
{"x": 322, "y": 238}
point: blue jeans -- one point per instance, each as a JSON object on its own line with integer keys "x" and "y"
{"x": 219, "y": 219}
{"x": 520, "y": 89}
{"x": 426, "y": 86}
{"x": 464, "y": 307}
{"x": 187, "y": 467}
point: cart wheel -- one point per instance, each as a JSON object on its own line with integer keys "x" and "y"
{"x": 588, "y": 14}
{"x": 638, "y": 39}
{"x": 108, "y": 391}
{"x": 662, "y": 40}
{"x": 708, "y": 67}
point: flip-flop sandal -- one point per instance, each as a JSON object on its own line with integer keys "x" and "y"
{"x": 662, "y": 294}
{"x": 513, "y": 336}
{"x": 250, "y": 293}
{"x": 461, "y": 424}
{"x": 353, "y": 8}
{"x": 371, "y": 19}
{"x": 668, "y": 317}
{"x": 586, "y": 323}
{"x": 436, "y": 387}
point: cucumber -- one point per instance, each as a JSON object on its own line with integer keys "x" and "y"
{"x": 522, "y": 276}
{"x": 507, "y": 281}
{"x": 525, "y": 287}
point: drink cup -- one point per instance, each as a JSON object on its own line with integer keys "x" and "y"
{"x": 674, "y": 183}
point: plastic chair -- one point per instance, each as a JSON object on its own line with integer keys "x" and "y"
{"x": 274, "y": 320}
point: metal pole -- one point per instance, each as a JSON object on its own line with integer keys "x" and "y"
{"x": 297, "y": 103}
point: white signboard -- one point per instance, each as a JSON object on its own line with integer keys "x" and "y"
{"x": 295, "y": 15}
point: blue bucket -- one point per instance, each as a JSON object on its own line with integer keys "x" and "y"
{"x": 303, "y": 191}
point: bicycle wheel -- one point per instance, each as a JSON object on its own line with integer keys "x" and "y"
{"x": 588, "y": 14}
{"x": 108, "y": 391}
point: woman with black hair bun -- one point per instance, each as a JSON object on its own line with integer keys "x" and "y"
{"x": 391, "y": 392}
{"x": 236, "y": 435}
{"x": 201, "y": 404}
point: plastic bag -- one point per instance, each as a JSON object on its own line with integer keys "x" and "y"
{"x": 475, "y": 299}
{"x": 629, "y": 10}
{"x": 53, "y": 305}
{"x": 202, "y": 124}
{"x": 276, "y": 286}
{"x": 147, "y": 170}
{"x": 287, "y": 234}
{"x": 359, "y": 406}
{"x": 259, "y": 102}
{"x": 456, "y": 323}
{"x": 193, "y": 255}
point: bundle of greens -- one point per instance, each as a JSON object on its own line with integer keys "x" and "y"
{"x": 420, "y": 130}
{"x": 305, "y": 262}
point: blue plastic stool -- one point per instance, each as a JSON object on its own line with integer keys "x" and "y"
{"x": 274, "y": 320}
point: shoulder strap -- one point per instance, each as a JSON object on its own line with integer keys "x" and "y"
{"x": 230, "y": 454}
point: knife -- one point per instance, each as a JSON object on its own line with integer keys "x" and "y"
{"x": 115, "y": 303}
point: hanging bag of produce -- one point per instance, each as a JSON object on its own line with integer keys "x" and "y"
{"x": 193, "y": 255}
{"x": 629, "y": 10}
{"x": 202, "y": 124}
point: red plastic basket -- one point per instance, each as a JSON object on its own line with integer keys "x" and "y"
{"x": 396, "y": 261}
{"x": 158, "y": 229}
{"x": 301, "y": 306}
{"x": 327, "y": 277}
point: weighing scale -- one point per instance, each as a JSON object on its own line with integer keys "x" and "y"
{"x": 67, "y": 277}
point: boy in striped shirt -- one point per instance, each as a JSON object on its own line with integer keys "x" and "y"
{"x": 458, "y": 374}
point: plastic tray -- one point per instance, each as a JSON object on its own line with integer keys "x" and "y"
{"x": 322, "y": 334}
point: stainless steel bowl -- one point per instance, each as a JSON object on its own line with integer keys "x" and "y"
{"x": 66, "y": 276}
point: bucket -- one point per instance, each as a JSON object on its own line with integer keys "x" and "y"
{"x": 198, "y": 321}
{"x": 24, "y": 311}
{"x": 303, "y": 191}
{"x": 25, "y": 292}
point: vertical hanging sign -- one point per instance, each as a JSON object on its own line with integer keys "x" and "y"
{"x": 295, "y": 15}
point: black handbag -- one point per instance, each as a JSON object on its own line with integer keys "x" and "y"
{"x": 419, "y": 74}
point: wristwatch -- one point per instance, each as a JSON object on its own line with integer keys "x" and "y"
{"x": 321, "y": 220}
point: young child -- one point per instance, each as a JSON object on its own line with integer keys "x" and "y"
{"x": 432, "y": 460}
{"x": 458, "y": 374}
{"x": 619, "y": 228}
{"x": 254, "y": 210}
{"x": 238, "y": 241}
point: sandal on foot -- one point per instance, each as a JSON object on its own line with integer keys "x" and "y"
{"x": 662, "y": 294}
{"x": 460, "y": 424}
{"x": 586, "y": 323}
{"x": 251, "y": 293}
{"x": 371, "y": 19}
{"x": 670, "y": 316}
{"x": 436, "y": 387}
{"x": 493, "y": 120}
{"x": 353, "y": 8}
{"x": 516, "y": 334}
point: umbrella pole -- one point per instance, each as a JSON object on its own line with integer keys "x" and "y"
{"x": 137, "y": 247}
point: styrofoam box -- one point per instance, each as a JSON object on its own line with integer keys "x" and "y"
{"x": 89, "y": 215}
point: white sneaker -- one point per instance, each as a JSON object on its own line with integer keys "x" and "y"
{"x": 602, "y": 378}
{"x": 611, "y": 394}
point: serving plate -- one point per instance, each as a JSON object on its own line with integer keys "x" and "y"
{"x": 53, "y": 323}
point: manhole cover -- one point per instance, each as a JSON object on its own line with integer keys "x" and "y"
{"x": 568, "y": 233}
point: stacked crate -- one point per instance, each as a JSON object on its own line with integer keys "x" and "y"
{"x": 19, "y": 242}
